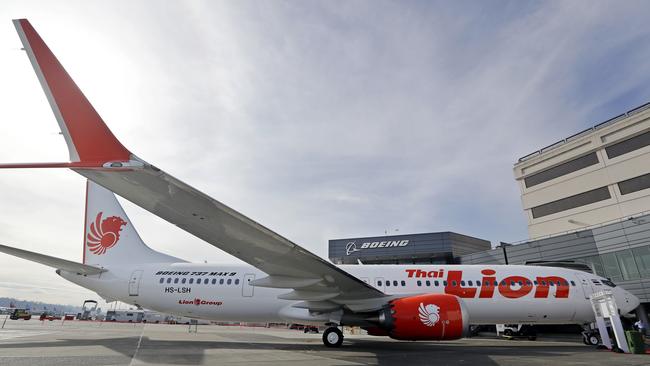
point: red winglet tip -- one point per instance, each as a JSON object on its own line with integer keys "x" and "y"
{"x": 87, "y": 136}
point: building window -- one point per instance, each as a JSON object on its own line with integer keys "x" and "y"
{"x": 610, "y": 263}
{"x": 635, "y": 184}
{"x": 562, "y": 169}
{"x": 627, "y": 264}
{"x": 642, "y": 255}
{"x": 581, "y": 199}
{"x": 629, "y": 145}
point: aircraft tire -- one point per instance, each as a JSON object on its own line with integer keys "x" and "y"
{"x": 332, "y": 337}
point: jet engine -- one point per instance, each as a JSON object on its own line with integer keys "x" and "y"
{"x": 424, "y": 317}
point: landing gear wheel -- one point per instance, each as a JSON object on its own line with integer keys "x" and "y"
{"x": 332, "y": 337}
{"x": 593, "y": 339}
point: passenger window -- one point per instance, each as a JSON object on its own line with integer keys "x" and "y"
{"x": 487, "y": 283}
{"x": 394, "y": 283}
{"x": 535, "y": 282}
{"x": 162, "y": 280}
{"x": 428, "y": 283}
{"x": 191, "y": 281}
{"x": 454, "y": 283}
{"x": 221, "y": 281}
{"x": 503, "y": 283}
{"x": 551, "y": 283}
{"x": 198, "y": 281}
{"x": 520, "y": 283}
{"x": 214, "y": 281}
{"x": 470, "y": 283}
{"x": 184, "y": 280}
{"x": 496, "y": 284}
{"x": 378, "y": 283}
{"x": 543, "y": 283}
{"x": 169, "y": 280}
{"x": 229, "y": 281}
{"x": 462, "y": 283}
{"x": 176, "y": 280}
{"x": 419, "y": 283}
{"x": 237, "y": 281}
{"x": 403, "y": 283}
{"x": 444, "y": 283}
{"x": 573, "y": 283}
{"x": 387, "y": 283}
{"x": 528, "y": 283}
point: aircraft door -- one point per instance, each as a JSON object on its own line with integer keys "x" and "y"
{"x": 587, "y": 289}
{"x": 248, "y": 289}
{"x": 134, "y": 283}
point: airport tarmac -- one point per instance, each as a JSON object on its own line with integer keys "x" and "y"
{"x": 92, "y": 343}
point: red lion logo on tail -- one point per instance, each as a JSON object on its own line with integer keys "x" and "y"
{"x": 104, "y": 235}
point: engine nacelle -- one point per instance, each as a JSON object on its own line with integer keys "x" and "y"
{"x": 425, "y": 317}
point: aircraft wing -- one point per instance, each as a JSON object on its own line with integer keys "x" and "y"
{"x": 54, "y": 262}
{"x": 97, "y": 154}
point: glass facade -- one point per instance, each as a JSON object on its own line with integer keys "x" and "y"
{"x": 582, "y": 199}
{"x": 623, "y": 265}
{"x": 562, "y": 169}
{"x": 629, "y": 145}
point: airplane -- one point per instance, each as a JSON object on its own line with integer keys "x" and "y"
{"x": 281, "y": 281}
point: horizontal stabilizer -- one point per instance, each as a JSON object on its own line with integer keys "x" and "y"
{"x": 57, "y": 263}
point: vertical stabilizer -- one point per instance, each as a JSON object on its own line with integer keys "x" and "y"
{"x": 109, "y": 237}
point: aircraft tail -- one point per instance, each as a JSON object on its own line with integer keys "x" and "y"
{"x": 109, "y": 236}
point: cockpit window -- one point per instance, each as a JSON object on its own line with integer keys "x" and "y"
{"x": 608, "y": 283}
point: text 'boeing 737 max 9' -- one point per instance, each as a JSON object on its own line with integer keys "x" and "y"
{"x": 282, "y": 282}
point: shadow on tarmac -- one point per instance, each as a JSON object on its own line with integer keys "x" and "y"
{"x": 189, "y": 352}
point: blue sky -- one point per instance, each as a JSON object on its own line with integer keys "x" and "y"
{"x": 321, "y": 119}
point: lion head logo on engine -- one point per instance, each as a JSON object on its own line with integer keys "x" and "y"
{"x": 104, "y": 235}
{"x": 429, "y": 314}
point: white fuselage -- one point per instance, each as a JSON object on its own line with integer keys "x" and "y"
{"x": 523, "y": 294}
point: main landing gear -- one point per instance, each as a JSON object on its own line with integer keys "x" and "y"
{"x": 333, "y": 337}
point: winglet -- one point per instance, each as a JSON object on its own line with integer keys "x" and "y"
{"x": 89, "y": 139}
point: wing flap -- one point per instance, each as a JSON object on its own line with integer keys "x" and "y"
{"x": 54, "y": 262}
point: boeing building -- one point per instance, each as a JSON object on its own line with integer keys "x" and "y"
{"x": 586, "y": 200}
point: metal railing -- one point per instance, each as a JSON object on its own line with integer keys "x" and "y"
{"x": 600, "y": 125}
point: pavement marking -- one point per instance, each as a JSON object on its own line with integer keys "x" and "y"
{"x": 10, "y": 334}
{"x": 138, "y": 346}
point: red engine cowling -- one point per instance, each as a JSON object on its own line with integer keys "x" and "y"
{"x": 426, "y": 317}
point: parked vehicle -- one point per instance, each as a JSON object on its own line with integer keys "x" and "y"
{"x": 23, "y": 314}
{"x": 49, "y": 316}
{"x": 517, "y": 331}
